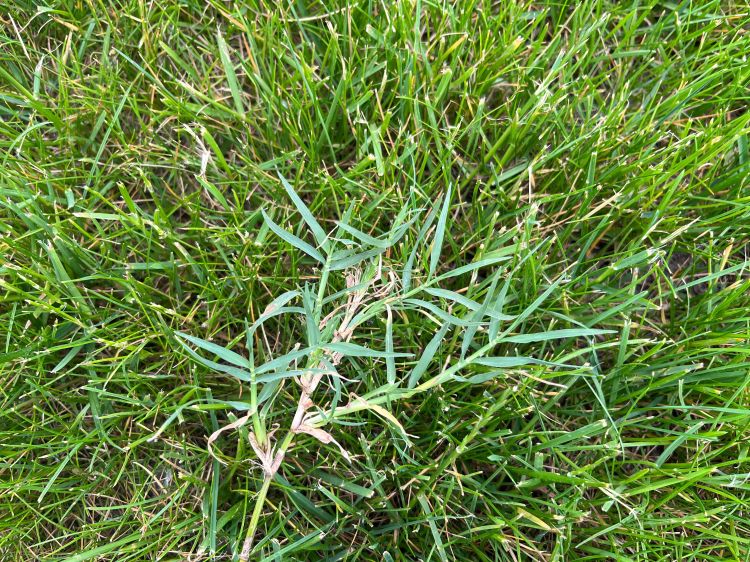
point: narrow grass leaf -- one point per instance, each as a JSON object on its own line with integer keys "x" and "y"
{"x": 279, "y": 374}
{"x": 352, "y": 259}
{"x": 437, "y": 243}
{"x": 364, "y": 404}
{"x": 64, "y": 279}
{"x": 213, "y": 190}
{"x": 672, "y": 447}
{"x": 317, "y": 231}
{"x": 433, "y": 528}
{"x": 409, "y": 265}
{"x": 349, "y": 349}
{"x": 476, "y": 316}
{"x": 347, "y": 485}
{"x": 507, "y": 362}
{"x": 293, "y": 240}
{"x": 218, "y": 350}
{"x": 234, "y": 86}
{"x": 427, "y": 355}
{"x": 301, "y": 501}
{"x": 390, "y": 363}
{"x": 60, "y": 467}
{"x": 363, "y": 237}
{"x": 67, "y": 359}
{"x": 308, "y": 302}
{"x": 241, "y": 374}
{"x": 284, "y": 360}
{"x": 440, "y": 313}
{"x": 472, "y": 267}
{"x": 555, "y": 335}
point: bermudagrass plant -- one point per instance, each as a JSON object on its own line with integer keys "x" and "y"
{"x": 372, "y": 289}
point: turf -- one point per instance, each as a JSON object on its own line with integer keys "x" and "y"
{"x": 366, "y": 281}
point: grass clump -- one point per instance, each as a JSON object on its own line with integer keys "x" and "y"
{"x": 368, "y": 281}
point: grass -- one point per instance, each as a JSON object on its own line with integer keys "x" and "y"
{"x": 374, "y": 281}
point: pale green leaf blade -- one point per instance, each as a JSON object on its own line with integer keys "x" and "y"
{"x": 222, "y": 352}
{"x": 437, "y": 243}
{"x": 555, "y": 335}
{"x": 317, "y": 230}
{"x": 355, "y": 350}
{"x": 234, "y": 86}
{"x": 292, "y": 239}
{"x": 427, "y": 355}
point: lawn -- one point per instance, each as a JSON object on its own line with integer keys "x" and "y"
{"x": 374, "y": 281}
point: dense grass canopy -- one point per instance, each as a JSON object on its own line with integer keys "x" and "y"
{"x": 417, "y": 280}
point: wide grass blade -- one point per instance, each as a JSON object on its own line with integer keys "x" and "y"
{"x": 437, "y": 243}
{"x": 425, "y": 359}
{"x": 234, "y": 86}
{"x": 317, "y": 231}
{"x": 293, "y": 240}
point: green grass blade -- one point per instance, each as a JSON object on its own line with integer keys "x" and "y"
{"x": 293, "y": 240}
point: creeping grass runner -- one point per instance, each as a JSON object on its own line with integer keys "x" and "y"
{"x": 359, "y": 281}
{"x": 371, "y": 290}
